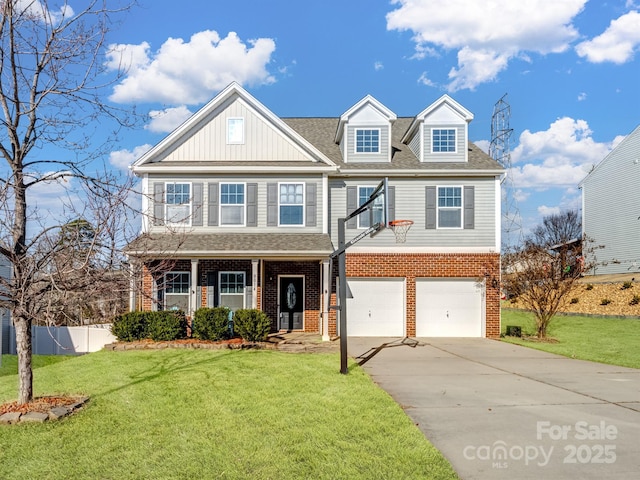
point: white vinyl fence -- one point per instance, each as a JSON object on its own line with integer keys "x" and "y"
{"x": 66, "y": 340}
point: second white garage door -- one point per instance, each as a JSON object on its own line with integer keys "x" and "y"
{"x": 449, "y": 308}
{"x": 377, "y": 307}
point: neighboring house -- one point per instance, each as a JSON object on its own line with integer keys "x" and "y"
{"x": 242, "y": 210}
{"x": 611, "y": 208}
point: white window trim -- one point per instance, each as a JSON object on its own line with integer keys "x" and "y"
{"x": 164, "y": 289}
{"x": 243, "y": 293}
{"x": 304, "y": 203}
{"x": 455, "y": 140}
{"x": 355, "y": 141}
{"x": 167, "y": 205}
{"x": 438, "y": 207}
{"x": 358, "y": 205}
{"x": 244, "y": 206}
{"x": 235, "y": 141}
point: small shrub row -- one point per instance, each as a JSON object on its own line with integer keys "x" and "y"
{"x": 252, "y": 325}
{"x": 158, "y": 326}
{"x": 211, "y": 324}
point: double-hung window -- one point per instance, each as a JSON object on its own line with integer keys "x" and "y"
{"x": 364, "y": 219}
{"x": 176, "y": 291}
{"x": 443, "y": 140}
{"x": 291, "y": 203}
{"x": 232, "y": 285}
{"x": 232, "y": 204}
{"x": 368, "y": 140}
{"x": 449, "y": 207}
{"x": 178, "y": 203}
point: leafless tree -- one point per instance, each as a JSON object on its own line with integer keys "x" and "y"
{"x": 543, "y": 271}
{"x": 52, "y": 96}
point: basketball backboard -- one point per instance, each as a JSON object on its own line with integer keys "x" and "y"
{"x": 377, "y": 207}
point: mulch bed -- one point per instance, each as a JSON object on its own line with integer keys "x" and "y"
{"x": 39, "y": 404}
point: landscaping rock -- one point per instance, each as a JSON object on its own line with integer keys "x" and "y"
{"x": 57, "y": 413}
{"x": 35, "y": 417}
{"x": 9, "y": 418}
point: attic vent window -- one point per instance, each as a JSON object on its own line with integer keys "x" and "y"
{"x": 444, "y": 140}
{"x": 235, "y": 131}
{"x": 367, "y": 140}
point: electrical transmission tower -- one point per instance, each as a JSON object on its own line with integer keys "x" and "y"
{"x": 500, "y": 151}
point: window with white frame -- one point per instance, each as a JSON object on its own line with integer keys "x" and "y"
{"x": 178, "y": 203}
{"x": 291, "y": 203}
{"x": 449, "y": 207}
{"x": 231, "y": 288}
{"x": 232, "y": 203}
{"x": 235, "y": 130}
{"x": 176, "y": 291}
{"x": 364, "y": 219}
{"x": 367, "y": 140}
{"x": 443, "y": 140}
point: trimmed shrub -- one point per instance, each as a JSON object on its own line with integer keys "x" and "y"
{"x": 166, "y": 325}
{"x": 605, "y": 301}
{"x": 626, "y": 285}
{"x": 574, "y": 300}
{"x": 211, "y": 324}
{"x": 635, "y": 300}
{"x": 130, "y": 326}
{"x": 252, "y": 325}
{"x": 589, "y": 286}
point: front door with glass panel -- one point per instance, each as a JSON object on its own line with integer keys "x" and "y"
{"x": 291, "y": 303}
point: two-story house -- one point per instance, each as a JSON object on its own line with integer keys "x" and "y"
{"x": 242, "y": 206}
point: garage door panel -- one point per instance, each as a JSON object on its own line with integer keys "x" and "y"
{"x": 377, "y": 307}
{"x": 448, "y": 308}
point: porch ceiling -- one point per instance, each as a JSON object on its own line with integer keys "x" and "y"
{"x": 235, "y": 245}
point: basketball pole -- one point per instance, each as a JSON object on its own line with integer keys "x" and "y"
{"x": 342, "y": 294}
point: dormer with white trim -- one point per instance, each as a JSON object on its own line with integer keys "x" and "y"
{"x": 364, "y": 132}
{"x": 440, "y": 133}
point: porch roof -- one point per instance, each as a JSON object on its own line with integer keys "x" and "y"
{"x": 231, "y": 245}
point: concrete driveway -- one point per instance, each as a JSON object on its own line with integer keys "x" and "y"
{"x": 497, "y": 410}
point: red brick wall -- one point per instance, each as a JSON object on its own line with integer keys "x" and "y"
{"x": 412, "y": 266}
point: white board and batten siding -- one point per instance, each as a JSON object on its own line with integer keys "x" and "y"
{"x": 450, "y": 308}
{"x": 262, "y": 141}
{"x": 410, "y": 204}
{"x": 377, "y": 307}
{"x": 611, "y": 206}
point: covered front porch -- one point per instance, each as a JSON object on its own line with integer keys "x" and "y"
{"x": 285, "y": 275}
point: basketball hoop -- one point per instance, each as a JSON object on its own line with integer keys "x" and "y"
{"x": 400, "y": 229}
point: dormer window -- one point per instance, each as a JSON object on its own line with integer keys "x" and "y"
{"x": 367, "y": 140}
{"x": 443, "y": 140}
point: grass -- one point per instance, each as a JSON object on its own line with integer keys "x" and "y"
{"x": 173, "y": 414}
{"x": 10, "y": 362}
{"x": 606, "y": 340}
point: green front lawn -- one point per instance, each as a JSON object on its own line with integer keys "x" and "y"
{"x": 206, "y": 414}
{"x": 606, "y": 340}
{"x": 10, "y": 362}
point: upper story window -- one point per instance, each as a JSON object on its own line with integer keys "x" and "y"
{"x": 291, "y": 204}
{"x": 235, "y": 130}
{"x": 367, "y": 140}
{"x": 449, "y": 207}
{"x": 232, "y": 203}
{"x": 178, "y": 203}
{"x": 443, "y": 140}
{"x": 232, "y": 290}
{"x": 364, "y": 219}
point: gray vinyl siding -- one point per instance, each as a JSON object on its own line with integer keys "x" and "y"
{"x": 611, "y": 207}
{"x": 382, "y": 156}
{"x": 414, "y": 145}
{"x": 262, "y": 142}
{"x": 461, "y": 145}
{"x": 255, "y": 212}
{"x": 410, "y": 201}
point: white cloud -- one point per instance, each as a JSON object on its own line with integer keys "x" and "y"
{"x": 42, "y": 12}
{"x": 424, "y": 80}
{"x": 582, "y": 96}
{"x": 123, "y": 158}
{"x": 165, "y": 121}
{"x": 487, "y": 35}
{"x": 187, "y": 73}
{"x": 618, "y": 42}
{"x": 378, "y": 66}
{"x": 483, "y": 145}
{"x": 559, "y": 156}
{"x": 545, "y": 211}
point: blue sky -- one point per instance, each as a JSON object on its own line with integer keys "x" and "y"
{"x": 569, "y": 69}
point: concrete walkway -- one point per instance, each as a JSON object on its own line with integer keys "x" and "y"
{"x": 500, "y": 411}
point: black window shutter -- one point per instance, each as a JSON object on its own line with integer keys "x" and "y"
{"x": 469, "y": 207}
{"x": 252, "y": 204}
{"x": 311, "y": 203}
{"x": 158, "y": 203}
{"x": 352, "y": 204}
{"x": 272, "y": 204}
{"x": 213, "y": 204}
{"x": 431, "y": 207}
{"x": 391, "y": 203}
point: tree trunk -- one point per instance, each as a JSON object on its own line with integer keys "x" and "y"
{"x": 23, "y": 347}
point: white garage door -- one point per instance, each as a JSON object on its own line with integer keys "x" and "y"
{"x": 449, "y": 308}
{"x": 377, "y": 307}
